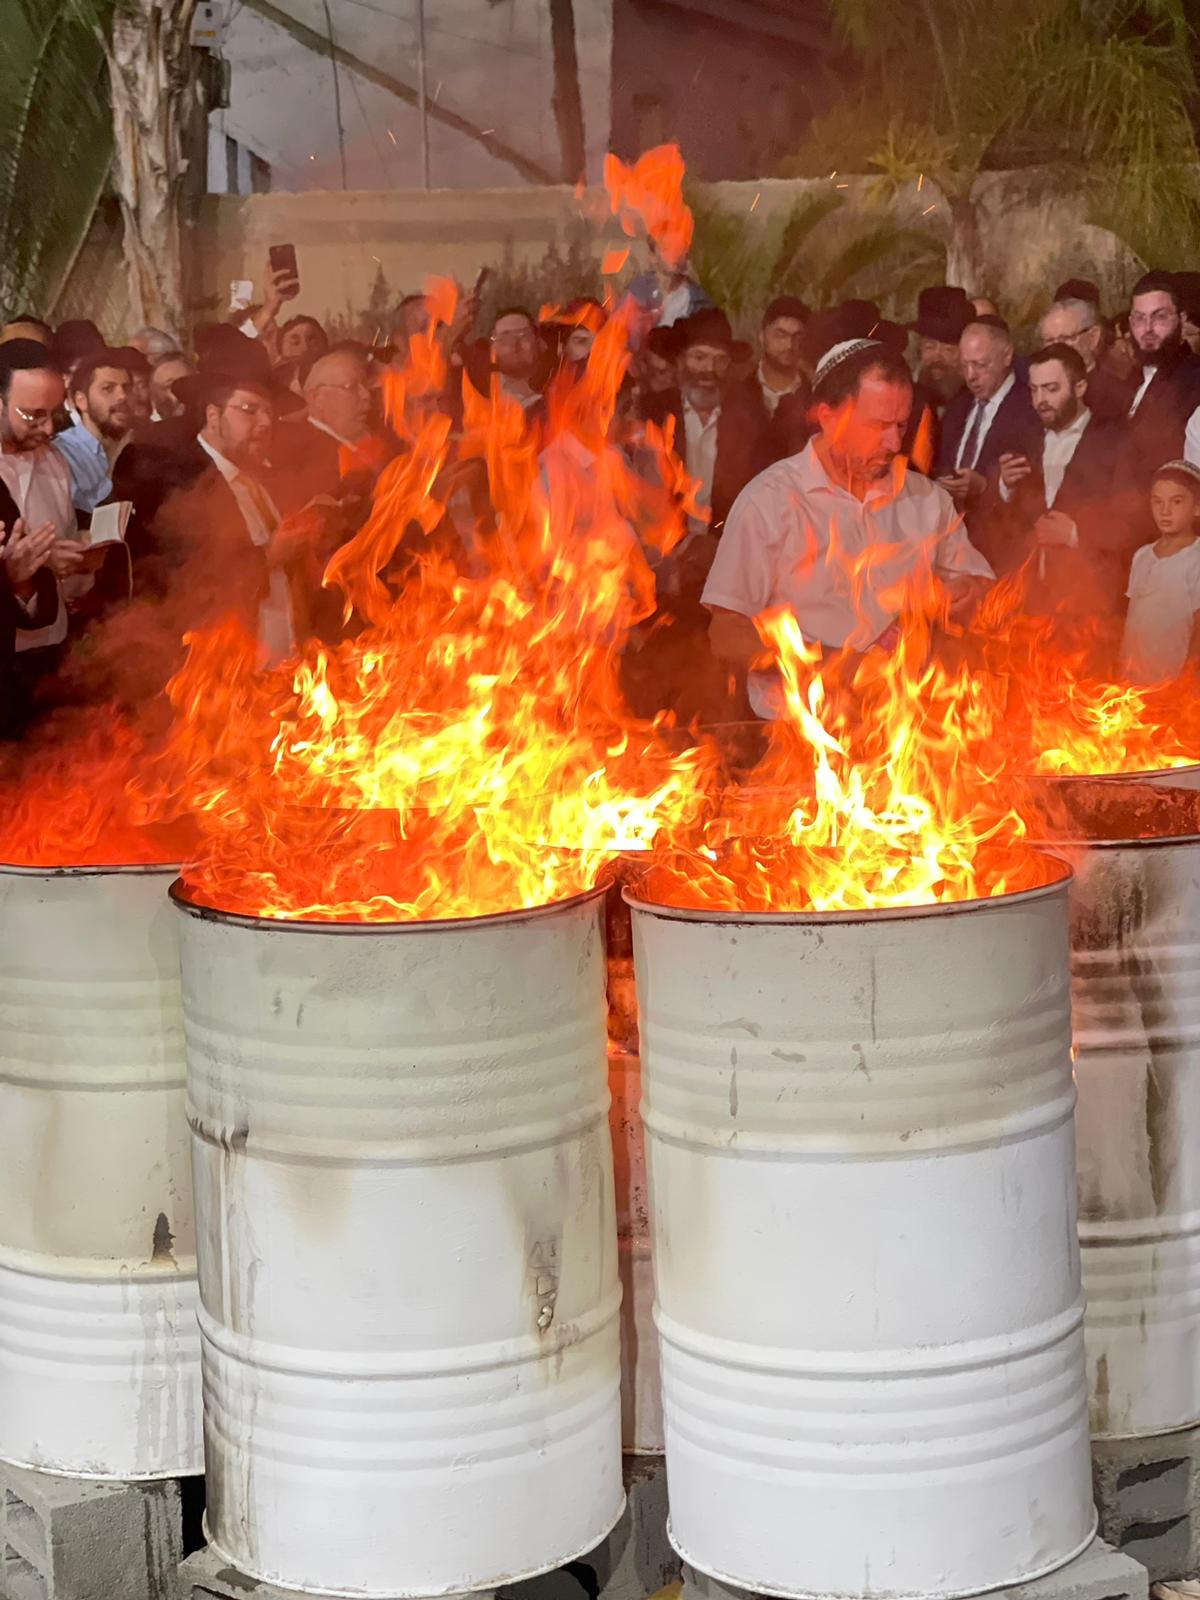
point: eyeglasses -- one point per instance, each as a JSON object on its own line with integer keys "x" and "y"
{"x": 357, "y": 387}
{"x": 255, "y": 412}
{"x": 1160, "y": 319}
{"x": 34, "y": 419}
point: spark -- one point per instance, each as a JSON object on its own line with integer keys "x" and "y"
{"x": 391, "y": 136}
{"x": 754, "y": 202}
{"x": 928, "y": 209}
{"x": 841, "y": 186}
{"x": 920, "y": 183}
{"x": 486, "y": 131}
{"x": 833, "y": 175}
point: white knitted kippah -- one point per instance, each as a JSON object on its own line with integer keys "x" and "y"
{"x": 838, "y": 353}
{"x": 1188, "y": 467}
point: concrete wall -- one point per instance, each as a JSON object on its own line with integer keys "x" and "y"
{"x": 343, "y": 241}
{"x": 488, "y": 61}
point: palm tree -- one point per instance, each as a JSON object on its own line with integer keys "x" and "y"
{"x": 1099, "y": 91}
{"x": 822, "y": 250}
{"x": 154, "y": 92}
{"x": 55, "y": 143}
{"x": 91, "y": 89}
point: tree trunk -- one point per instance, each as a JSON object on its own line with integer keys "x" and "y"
{"x": 150, "y": 66}
{"x": 964, "y": 252}
{"x": 568, "y": 100}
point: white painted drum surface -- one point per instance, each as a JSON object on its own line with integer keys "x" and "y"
{"x": 99, "y": 1343}
{"x": 862, "y": 1176}
{"x": 407, "y": 1243}
{"x": 1135, "y": 934}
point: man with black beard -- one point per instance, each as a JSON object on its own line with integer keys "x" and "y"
{"x": 1058, "y": 505}
{"x": 719, "y": 436}
{"x": 1167, "y": 388}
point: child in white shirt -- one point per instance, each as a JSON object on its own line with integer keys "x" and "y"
{"x": 1164, "y": 581}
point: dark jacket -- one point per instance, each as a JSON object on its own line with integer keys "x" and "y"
{"x": 789, "y": 430}
{"x": 1015, "y": 429}
{"x": 743, "y": 445}
{"x": 305, "y": 463}
{"x": 1108, "y": 396}
{"x": 1155, "y": 433}
{"x": 14, "y": 617}
{"x": 1088, "y": 580}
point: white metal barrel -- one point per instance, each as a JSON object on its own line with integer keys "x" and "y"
{"x": 99, "y": 1343}
{"x": 407, "y": 1244}
{"x": 1135, "y": 934}
{"x": 863, "y": 1199}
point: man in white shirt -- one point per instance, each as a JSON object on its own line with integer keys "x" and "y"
{"x": 35, "y": 475}
{"x": 834, "y": 532}
{"x": 1060, "y": 501}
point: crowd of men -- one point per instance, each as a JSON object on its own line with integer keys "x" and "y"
{"x": 826, "y": 464}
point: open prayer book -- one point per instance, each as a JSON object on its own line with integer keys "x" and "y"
{"x": 108, "y": 524}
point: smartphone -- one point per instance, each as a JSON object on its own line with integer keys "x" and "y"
{"x": 282, "y": 258}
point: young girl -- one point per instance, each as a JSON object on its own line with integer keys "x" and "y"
{"x": 1164, "y": 581}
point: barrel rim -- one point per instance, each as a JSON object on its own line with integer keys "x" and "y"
{"x": 181, "y": 895}
{"x": 1141, "y": 774}
{"x": 821, "y": 919}
{"x": 127, "y": 869}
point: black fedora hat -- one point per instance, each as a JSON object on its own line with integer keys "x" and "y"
{"x": 228, "y": 357}
{"x": 943, "y": 312}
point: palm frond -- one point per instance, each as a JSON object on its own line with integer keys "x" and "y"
{"x": 55, "y": 141}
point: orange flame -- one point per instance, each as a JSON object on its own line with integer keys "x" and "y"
{"x": 468, "y": 751}
{"x": 648, "y": 196}
{"x": 869, "y": 796}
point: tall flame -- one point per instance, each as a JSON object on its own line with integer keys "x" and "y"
{"x": 468, "y": 750}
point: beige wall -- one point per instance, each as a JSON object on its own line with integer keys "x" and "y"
{"x": 1032, "y": 239}
{"x": 343, "y": 239}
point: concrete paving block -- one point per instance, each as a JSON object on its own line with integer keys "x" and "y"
{"x": 1148, "y": 1496}
{"x": 74, "y": 1539}
{"x": 1100, "y": 1573}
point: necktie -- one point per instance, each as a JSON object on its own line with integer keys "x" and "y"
{"x": 971, "y": 444}
{"x": 262, "y": 504}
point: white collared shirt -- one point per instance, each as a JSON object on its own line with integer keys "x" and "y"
{"x": 772, "y": 397}
{"x": 795, "y": 538}
{"x": 1148, "y": 376}
{"x": 700, "y": 440}
{"x": 40, "y": 483}
{"x": 1058, "y": 452}
{"x": 276, "y": 634}
{"x": 315, "y": 422}
{"x": 1191, "y": 447}
{"x": 990, "y": 408}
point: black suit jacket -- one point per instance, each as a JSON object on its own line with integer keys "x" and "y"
{"x": 1089, "y": 579}
{"x": 743, "y": 444}
{"x": 789, "y": 430}
{"x": 1015, "y": 429}
{"x": 14, "y": 617}
{"x": 1155, "y": 433}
